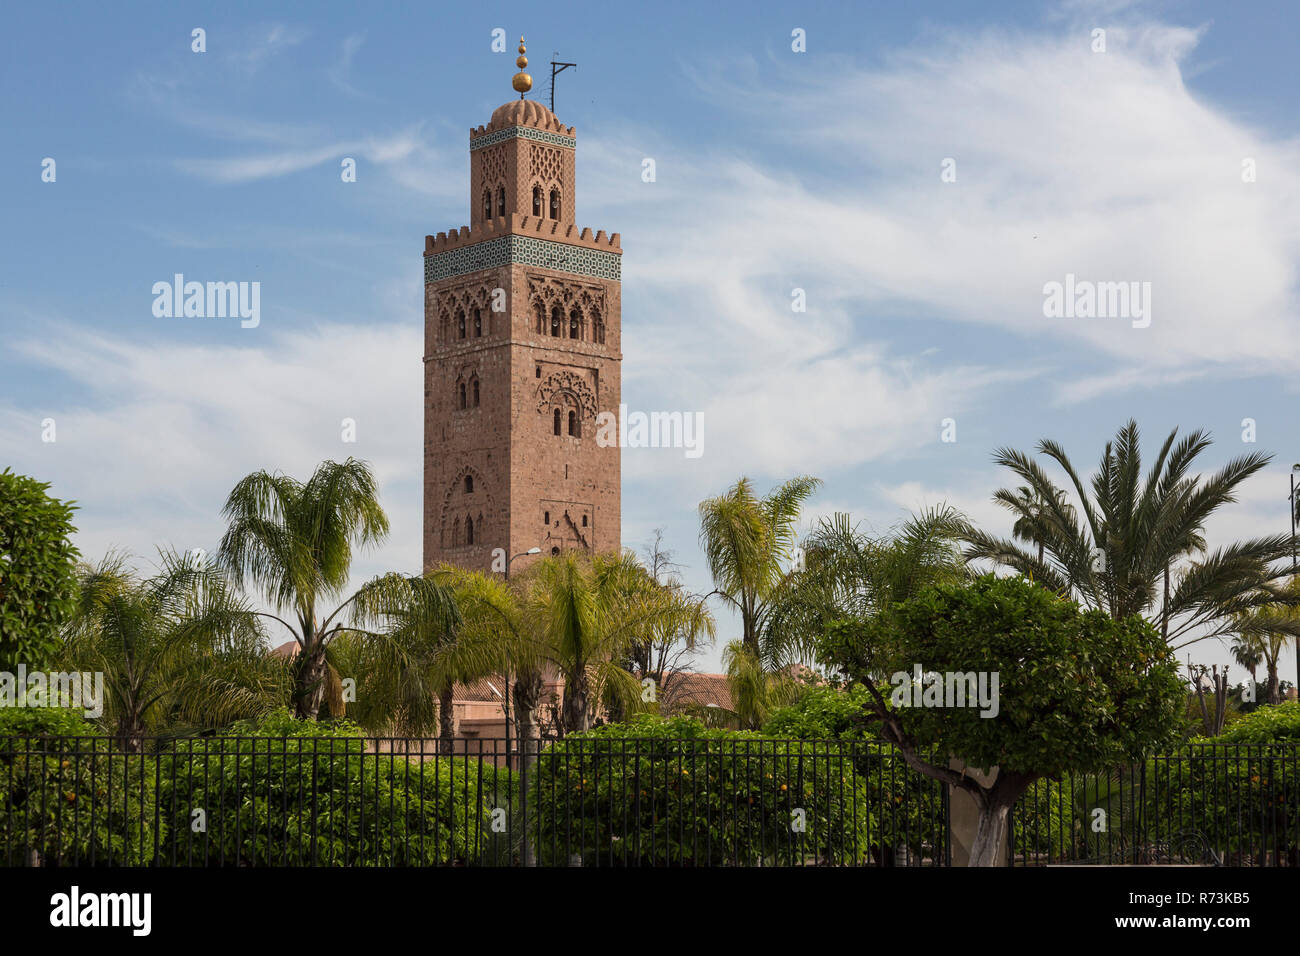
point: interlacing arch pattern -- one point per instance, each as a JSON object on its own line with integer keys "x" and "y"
{"x": 464, "y": 314}
{"x": 466, "y": 506}
{"x": 494, "y": 181}
{"x": 568, "y": 312}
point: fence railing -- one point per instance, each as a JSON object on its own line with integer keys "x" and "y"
{"x": 604, "y": 801}
{"x": 1204, "y": 804}
{"x": 335, "y": 801}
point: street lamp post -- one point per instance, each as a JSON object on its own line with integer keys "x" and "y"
{"x": 509, "y": 561}
{"x": 525, "y": 850}
{"x": 1295, "y": 469}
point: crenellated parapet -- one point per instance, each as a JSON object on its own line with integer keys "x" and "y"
{"x": 534, "y": 226}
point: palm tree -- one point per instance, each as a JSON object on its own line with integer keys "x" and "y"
{"x": 1032, "y": 511}
{"x": 749, "y": 543}
{"x": 294, "y": 542}
{"x": 1262, "y": 633}
{"x": 402, "y": 637}
{"x": 584, "y": 613}
{"x": 176, "y": 647}
{"x": 1246, "y": 652}
{"x": 1135, "y": 531}
{"x": 850, "y": 573}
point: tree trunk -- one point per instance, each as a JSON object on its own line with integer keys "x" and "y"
{"x": 1274, "y": 688}
{"x": 989, "y": 846}
{"x": 130, "y": 733}
{"x": 527, "y": 693}
{"x": 446, "y": 719}
{"x": 310, "y": 682}
{"x": 575, "y": 712}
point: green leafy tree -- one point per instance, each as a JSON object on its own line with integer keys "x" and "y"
{"x": 37, "y": 569}
{"x": 1140, "y": 547}
{"x": 1077, "y": 690}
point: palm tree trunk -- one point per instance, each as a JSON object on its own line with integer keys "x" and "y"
{"x": 576, "y": 710}
{"x": 446, "y": 719}
{"x": 1274, "y": 688}
{"x": 130, "y": 733}
{"x": 310, "y": 682}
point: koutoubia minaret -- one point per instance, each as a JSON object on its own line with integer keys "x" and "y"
{"x": 521, "y": 353}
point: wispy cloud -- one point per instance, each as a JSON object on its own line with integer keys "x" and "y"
{"x": 256, "y": 49}
{"x": 340, "y": 73}
{"x": 242, "y": 169}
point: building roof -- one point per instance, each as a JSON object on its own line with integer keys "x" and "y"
{"x": 682, "y": 689}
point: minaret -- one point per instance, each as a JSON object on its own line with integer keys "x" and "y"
{"x": 522, "y": 332}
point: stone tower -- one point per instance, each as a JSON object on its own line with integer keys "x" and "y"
{"x": 521, "y": 353}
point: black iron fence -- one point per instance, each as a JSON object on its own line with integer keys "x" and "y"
{"x": 592, "y": 801}
{"x": 1204, "y": 804}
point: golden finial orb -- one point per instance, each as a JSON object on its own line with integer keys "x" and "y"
{"x": 522, "y": 82}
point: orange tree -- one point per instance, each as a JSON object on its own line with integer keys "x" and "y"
{"x": 1077, "y": 690}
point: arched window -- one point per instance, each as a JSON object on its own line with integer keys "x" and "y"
{"x": 584, "y": 521}
{"x": 469, "y": 484}
{"x": 478, "y": 323}
{"x": 455, "y": 534}
{"x": 537, "y": 201}
{"x": 557, "y": 320}
{"x": 541, "y": 318}
{"x": 460, "y": 324}
{"x": 555, "y": 204}
{"x": 476, "y": 393}
{"x": 487, "y": 204}
{"x": 501, "y": 200}
{"x": 575, "y": 324}
{"x": 597, "y": 327}
{"x": 575, "y": 428}
{"x": 462, "y": 394}
{"x": 546, "y": 518}
{"x": 557, "y": 421}
{"x": 469, "y": 530}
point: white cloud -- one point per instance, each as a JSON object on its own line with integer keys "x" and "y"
{"x": 169, "y": 428}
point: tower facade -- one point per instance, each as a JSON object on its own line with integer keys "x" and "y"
{"x": 522, "y": 353}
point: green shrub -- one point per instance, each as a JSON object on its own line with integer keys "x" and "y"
{"x": 825, "y": 713}
{"x": 302, "y": 793}
{"x": 658, "y": 791}
{"x": 68, "y": 796}
{"x": 37, "y": 570}
{"x": 1265, "y": 725}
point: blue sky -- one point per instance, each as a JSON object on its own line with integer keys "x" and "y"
{"x": 775, "y": 170}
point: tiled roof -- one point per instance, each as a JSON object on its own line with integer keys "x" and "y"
{"x": 683, "y": 689}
